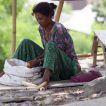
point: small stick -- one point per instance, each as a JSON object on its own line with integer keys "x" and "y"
{"x": 41, "y": 86}
{"x": 37, "y": 87}
{"x": 29, "y": 84}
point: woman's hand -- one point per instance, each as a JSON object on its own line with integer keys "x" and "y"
{"x": 36, "y": 62}
{"x": 33, "y": 63}
{"x": 46, "y": 77}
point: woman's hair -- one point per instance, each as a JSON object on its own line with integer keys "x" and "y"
{"x": 44, "y": 8}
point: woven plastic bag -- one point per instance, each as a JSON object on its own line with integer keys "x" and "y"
{"x": 12, "y": 80}
{"x": 16, "y": 73}
{"x": 18, "y": 68}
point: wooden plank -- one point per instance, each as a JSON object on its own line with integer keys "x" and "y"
{"x": 62, "y": 84}
{"x": 16, "y": 99}
{"x": 3, "y": 88}
{"x": 88, "y": 55}
{"x": 101, "y": 34}
{"x": 55, "y": 84}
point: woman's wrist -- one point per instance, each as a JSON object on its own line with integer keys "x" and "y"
{"x": 46, "y": 76}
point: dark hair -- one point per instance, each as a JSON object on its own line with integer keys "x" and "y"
{"x": 44, "y": 8}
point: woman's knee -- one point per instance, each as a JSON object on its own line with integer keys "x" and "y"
{"x": 26, "y": 41}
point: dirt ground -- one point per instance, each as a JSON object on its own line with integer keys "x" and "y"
{"x": 51, "y": 97}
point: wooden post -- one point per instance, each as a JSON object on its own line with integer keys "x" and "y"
{"x": 14, "y": 2}
{"x": 59, "y": 9}
{"x": 104, "y": 53}
{"x": 94, "y": 50}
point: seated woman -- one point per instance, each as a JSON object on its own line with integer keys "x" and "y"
{"x": 58, "y": 57}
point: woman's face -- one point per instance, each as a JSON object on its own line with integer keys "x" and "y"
{"x": 42, "y": 19}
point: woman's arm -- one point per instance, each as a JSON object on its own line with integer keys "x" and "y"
{"x": 36, "y": 62}
{"x": 46, "y": 77}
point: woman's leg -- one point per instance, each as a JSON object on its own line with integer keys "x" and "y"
{"x": 61, "y": 66}
{"x": 28, "y": 50}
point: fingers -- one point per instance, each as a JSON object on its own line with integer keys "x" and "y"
{"x": 29, "y": 65}
{"x": 42, "y": 86}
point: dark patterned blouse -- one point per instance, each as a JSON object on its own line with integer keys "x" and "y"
{"x": 62, "y": 39}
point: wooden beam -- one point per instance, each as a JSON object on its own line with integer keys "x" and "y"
{"x": 59, "y": 9}
{"x": 14, "y": 3}
{"x": 16, "y": 99}
{"x": 64, "y": 83}
{"x": 94, "y": 50}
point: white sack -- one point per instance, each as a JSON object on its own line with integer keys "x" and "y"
{"x": 11, "y": 80}
{"x": 18, "y": 67}
{"x": 16, "y": 73}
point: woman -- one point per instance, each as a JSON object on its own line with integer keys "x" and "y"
{"x": 58, "y": 57}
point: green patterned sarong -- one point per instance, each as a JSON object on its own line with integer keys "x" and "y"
{"x": 28, "y": 50}
{"x": 61, "y": 66}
